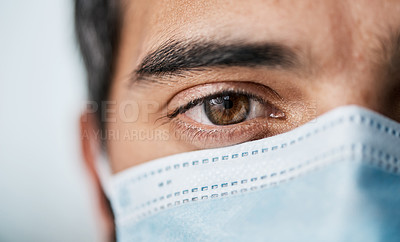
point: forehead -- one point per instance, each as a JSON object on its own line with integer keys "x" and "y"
{"x": 296, "y": 22}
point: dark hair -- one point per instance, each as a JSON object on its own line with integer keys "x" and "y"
{"x": 97, "y": 24}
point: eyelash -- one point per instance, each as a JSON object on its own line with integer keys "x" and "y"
{"x": 184, "y": 108}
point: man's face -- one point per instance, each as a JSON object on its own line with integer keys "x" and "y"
{"x": 202, "y": 74}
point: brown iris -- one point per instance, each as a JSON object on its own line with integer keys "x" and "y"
{"x": 227, "y": 109}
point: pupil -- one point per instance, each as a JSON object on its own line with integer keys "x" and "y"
{"x": 228, "y": 104}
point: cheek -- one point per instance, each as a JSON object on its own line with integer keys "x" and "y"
{"x": 130, "y": 142}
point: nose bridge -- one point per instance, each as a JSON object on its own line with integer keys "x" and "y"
{"x": 342, "y": 31}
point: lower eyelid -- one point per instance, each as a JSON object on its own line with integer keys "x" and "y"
{"x": 205, "y": 136}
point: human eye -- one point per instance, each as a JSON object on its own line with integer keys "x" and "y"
{"x": 228, "y": 108}
{"x": 221, "y": 114}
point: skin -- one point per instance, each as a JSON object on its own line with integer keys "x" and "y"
{"x": 346, "y": 51}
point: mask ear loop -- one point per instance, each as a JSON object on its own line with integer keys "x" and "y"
{"x": 105, "y": 174}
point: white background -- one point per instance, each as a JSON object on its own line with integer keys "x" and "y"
{"x": 44, "y": 190}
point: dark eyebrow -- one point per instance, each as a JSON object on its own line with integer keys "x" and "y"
{"x": 174, "y": 57}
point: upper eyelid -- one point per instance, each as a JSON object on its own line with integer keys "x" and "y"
{"x": 187, "y": 94}
{"x": 184, "y": 108}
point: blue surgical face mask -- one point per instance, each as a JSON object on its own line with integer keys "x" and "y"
{"x": 337, "y": 178}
